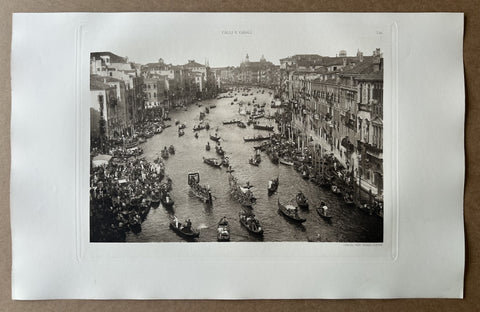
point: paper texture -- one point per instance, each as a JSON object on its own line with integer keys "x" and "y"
{"x": 422, "y": 254}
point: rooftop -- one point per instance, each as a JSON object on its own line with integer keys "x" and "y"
{"x": 113, "y": 57}
{"x": 191, "y": 64}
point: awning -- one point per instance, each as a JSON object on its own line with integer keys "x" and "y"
{"x": 101, "y": 160}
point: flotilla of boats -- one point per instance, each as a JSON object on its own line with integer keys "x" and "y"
{"x": 241, "y": 192}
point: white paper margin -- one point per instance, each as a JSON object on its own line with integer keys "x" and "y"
{"x": 48, "y": 261}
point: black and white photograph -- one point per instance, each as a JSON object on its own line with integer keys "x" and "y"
{"x": 241, "y": 141}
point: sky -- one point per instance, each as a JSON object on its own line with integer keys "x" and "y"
{"x": 225, "y": 39}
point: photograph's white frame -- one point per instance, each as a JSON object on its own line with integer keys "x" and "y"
{"x": 232, "y": 252}
{"x": 159, "y": 270}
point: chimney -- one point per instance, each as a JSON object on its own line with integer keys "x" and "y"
{"x": 344, "y": 61}
{"x": 376, "y": 60}
{"x": 360, "y": 56}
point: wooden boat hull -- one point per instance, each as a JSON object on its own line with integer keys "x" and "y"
{"x": 266, "y": 128}
{"x": 321, "y": 213}
{"x": 182, "y": 233}
{"x": 155, "y": 202}
{"x": 284, "y": 211}
{"x": 285, "y": 162}
{"x": 251, "y": 230}
{"x": 230, "y": 122}
{"x": 223, "y": 233}
{"x": 256, "y": 139}
{"x": 168, "y": 204}
{"x": 212, "y": 163}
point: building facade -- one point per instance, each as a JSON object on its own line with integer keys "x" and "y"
{"x": 337, "y": 108}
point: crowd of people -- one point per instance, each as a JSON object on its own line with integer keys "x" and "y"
{"x": 120, "y": 195}
{"x": 324, "y": 170}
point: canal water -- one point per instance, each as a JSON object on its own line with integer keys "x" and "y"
{"x": 348, "y": 224}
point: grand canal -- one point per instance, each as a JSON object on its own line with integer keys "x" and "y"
{"x": 348, "y": 224}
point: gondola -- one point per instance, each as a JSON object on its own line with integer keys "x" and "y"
{"x": 274, "y": 158}
{"x": 184, "y": 230}
{"x": 180, "y": 132}
{"x": 286, "y": 162}
{"x": 144, "y": 209}
{"x": 225, "y": 162}
{"x": 251, "y": 223}
{"x": 207, "y": 147}
{"x": 171, "y": 149}
{"x": 231, "y": 122}
{"x": 272, "y": 186}
{"x": 201, "y": 192}
{"x": 166, "y": 199}
{"x": 182, "y": 126}
{"x": 155, "y": 201}
{"x": 291, "y": 212}
{"x": 196, "y": 135}
{"x": 215, "y": 138}
{"x": 198, "y": 128}
{"x": 322, "y": 211}
{"x": 223, "y": 230}
{"x": 301, "y": 200}
{"x": 241, "y": 124}
{"x": 254, "y": 162}
{"x": 213, "y": 106}
{"x": 212, "y": 162}
{"x": 164, "y": 154}
{"x": 219, "y": 150}
{"x": 207, "y": 126}
{"x": 256, "y": 138}
{"x": 263, "y": 127}
{"x": 257, "y": 116}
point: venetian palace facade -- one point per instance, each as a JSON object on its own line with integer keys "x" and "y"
{"x": 336, "y": 106}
